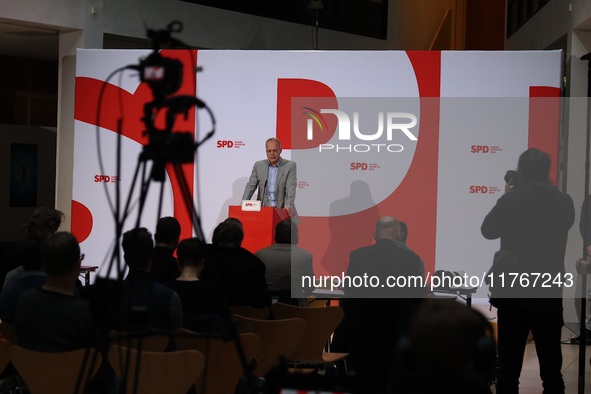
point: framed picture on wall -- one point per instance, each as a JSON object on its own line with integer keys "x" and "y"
{"x": 23, "y": 175}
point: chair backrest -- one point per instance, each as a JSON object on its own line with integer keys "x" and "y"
{"x": 222, "y": 364}
{"x": 159, "y": 372}
{"x": 250, "y": 311}
{"x": 58, "y": 372}
{"x": 9, "y": 332}
{"x": 278, "y": 338}
{"x": 149, "y": 342}
{"x": 320, "y": 324}
{"x": 4, "y": 357}
{"x": 318, "y": 303}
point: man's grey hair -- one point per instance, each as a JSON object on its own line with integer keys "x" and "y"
{"x": 273, "y": 139}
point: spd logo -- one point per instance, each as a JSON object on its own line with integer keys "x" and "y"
{"x": 478, "y": 189}
{"x": 359, "y": 166}
{"x": 106, "y": 179}
{"x": 479, "y": 149}
{"x": 225, "y": 144}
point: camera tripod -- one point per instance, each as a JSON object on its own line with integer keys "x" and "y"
{"x": 165, "y": 147}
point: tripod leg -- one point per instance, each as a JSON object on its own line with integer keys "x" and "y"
{"x": 186, "y": 193}
{"x": 160, "y": 201}
{"x": 145, "y": 186}
{"x": 120, "y": 221}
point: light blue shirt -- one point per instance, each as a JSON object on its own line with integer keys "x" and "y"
{"x": 271, "y": 181}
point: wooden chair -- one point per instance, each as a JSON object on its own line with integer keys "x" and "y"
{"x": 9, "y": 332}
{"x": 250, "y": 311}
{"x": 159, "y": 372}
{"x": 320, "y": 324}
{"x": 12, "y": 383}
{"x": 4, "y": 357}
{"x": 278, "y": 338}
{"x": 318, "y": 303}
{"x": 150, "y": 342}
{"x": 55, "y": 372}
{"x": 223, "y": 368}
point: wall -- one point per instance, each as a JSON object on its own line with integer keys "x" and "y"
{"x": 485, "y": 24}
{"x": 420, "y": 19}
{"x": 545, "y": 27}
{"x": 205, "y": 27}
{"x": 45, "y": 139}
{"x": 549, "y": 25}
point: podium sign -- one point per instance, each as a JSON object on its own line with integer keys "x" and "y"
{"x": 259, "y": 226}
{"x": 251, "y": 205}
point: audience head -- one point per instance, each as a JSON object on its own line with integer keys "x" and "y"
{"x": 190, "y": 252}
{"x": 451, "y": 343}
{"x": 533, "y": 166}
{"x": 387, "y": 228}
{"x": 228, "y": 234}
{"x": 403, "y": 232}
{"x": 168, "y": 231}
{"x": 286, "y": 232}
{"x": 235, "y": 221}
{"x": 43, "y": 222}
{"x": 137, "y": 247}
{"x": 61, "y": 254}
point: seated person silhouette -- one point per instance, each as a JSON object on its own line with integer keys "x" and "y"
{"x": 143, "y": 304}
{"x": 43, "y": 222}
{"x": 54, "y": 318}
{"x": 201, "y": 310}
{"x": 377, "y": 317}
{"x": 164, "y": 265}
{"x": 238, "y": 273}
{"x": 28, "y": 252}
{"x": 286, "y": 264}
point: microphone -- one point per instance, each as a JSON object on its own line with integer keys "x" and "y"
{"x": 264, "y": 196}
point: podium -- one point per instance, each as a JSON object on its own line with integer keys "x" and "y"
{"x": 259, "y": 227}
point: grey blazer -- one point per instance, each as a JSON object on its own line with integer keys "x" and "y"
{"x": 285, "y": 184}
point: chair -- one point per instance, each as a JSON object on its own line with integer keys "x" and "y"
{"x": 250, "y": 311}
{"x": 4, "y": 357}
{"x": 9, "y": 332}
{"x": 55, "y": 372}
{"x": 318, "y": 303}
{"x": 11, "y": 381}
{"x": 150, "y": 342}
{"x": 320, "y": 324}
{"x": 278, "y": 338}
{"x": 223, "y": 368}
{"x": 159, "y": 372}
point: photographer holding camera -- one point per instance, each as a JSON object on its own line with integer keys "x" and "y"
{"x": 532, "y": 220}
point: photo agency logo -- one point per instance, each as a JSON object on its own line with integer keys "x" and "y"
{"x": 361, "y": 131}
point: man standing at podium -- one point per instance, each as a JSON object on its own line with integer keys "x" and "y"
{"x": 275, "y": 178}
